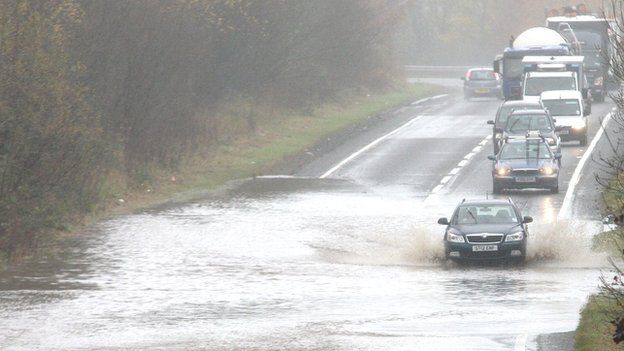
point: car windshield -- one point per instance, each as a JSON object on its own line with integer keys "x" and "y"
{"x": 563, "y": 107}
{"x": 536, "y": 85}
{"x": 506, "y": 110}
{"x": 520, "y": 123}
{"x": 482, "y": 75}
{"x": 590, "y": 40}
{"x": 484, "y": 214}
{"x": 525, "y": 150}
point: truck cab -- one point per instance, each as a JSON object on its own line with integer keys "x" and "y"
{"x": 535, "y": 83}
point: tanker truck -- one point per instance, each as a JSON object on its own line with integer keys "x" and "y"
{"x": 536, "y": 41}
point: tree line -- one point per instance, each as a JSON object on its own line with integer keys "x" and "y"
{"x": 88, "y": 86}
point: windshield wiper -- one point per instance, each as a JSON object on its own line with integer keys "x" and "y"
{"x": 472, "y": 215}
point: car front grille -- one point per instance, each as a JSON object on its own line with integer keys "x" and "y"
{"x": 484, "y": 238}
{"x": 524, "y": 172}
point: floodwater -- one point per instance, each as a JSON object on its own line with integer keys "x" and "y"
{"x": 289, "y": 264}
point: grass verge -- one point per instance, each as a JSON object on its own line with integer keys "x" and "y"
{"x": 595, "y": 331}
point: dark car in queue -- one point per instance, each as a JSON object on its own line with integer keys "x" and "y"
{"x": 520, "y": 123}
{"x": 503, "y": 112}
{"x": 486, "y": 230}
{"x": 482, "y": 82}
{"x": 525, "y": 163}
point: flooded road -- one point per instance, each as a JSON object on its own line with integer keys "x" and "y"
{"x": 330, "y": 267}
{"x": 351, "y": 262}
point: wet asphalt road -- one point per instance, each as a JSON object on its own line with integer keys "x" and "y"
{"x": 345, "y": 258}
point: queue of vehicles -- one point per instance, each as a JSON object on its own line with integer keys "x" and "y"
{"x": 548, "y": 78}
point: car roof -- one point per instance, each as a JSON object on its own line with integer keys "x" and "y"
{"x": 561, "y": 94}
{"x": 480, "y": 69}
{"x": 551, "y": 74}
{"x": 529, "y": 112}
{"x": 486, "y": 202}
{"x": 521, "y": 103}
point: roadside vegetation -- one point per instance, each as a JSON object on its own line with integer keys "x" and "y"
{"x": 602, "y": 319}
{"x": 117, "y": 104}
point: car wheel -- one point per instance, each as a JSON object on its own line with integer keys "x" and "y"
{"x": 555, "y": 189}
{"x": 583, "y": 140}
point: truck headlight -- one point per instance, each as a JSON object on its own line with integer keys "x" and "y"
{"x": 455, "y": 238}
{"x": 598, "y": 81}
{"x": 548, "y": 170}
{"x": 503, "y": 171}
{"x": 517, "y": 236}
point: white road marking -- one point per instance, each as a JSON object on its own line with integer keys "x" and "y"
{"x": 453, "y": 173}
{"x": 520, "y": 342}
{"x": 437, "y": 188}
{"x": 367, "y": 147}
{"x": 377, "y": 141}
{"x": 564, "y": 212}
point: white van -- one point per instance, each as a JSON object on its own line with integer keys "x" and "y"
{"x": 569, "y": 112}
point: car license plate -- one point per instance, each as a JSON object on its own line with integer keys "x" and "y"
{"x": 478, "y": 248}
{"x": 564, "y": 132}
{"x": 482, "y": 91}
{"x": 525, "y": 179}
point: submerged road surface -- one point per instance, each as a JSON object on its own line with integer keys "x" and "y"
{"x": 343, "y": 255}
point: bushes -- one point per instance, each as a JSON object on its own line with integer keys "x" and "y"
{"x": 50, "y": 137}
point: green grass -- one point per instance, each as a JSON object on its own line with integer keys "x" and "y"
{"x": 595, "y": 331}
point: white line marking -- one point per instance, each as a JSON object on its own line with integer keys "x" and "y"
{"x": 469, "y": 156}
{"x": 462, "y": 163}
{"x": 367, "y": 147}
{"x": 564, "y": 212}
{"x": 520, "y": 342}
{"x": 437, "y": 188}
{"x": 454, "y": 171}
{"x": 477, "y": 149}
{"x": 420, "y": 101}
{"x": 483, "y": 142}
{"x": 438, "y": 96}
{"x": 445, "y": 180}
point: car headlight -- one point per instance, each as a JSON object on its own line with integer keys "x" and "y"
{"x": 517, "y": 236}
{"x": 598, "y": 81}
{"x": 578, "y": 125}
{"x": 503, "y": 171}
{"x": 551, "y": 141}
{"x": 454, "y": 237}
{"x": 548, "y": 170}
{"x": 498, "y": 136}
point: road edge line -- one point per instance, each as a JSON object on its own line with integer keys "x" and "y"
{"x": 380, "y": 139}
{"x": 569, "y": 196}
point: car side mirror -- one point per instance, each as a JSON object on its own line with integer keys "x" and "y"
{"x": 443, "y": 220}
{"x": 554, "y": 120}
{"x": 527, "y": 219}
{"x": 492, "y": 158}
{"x": 490, "y": 122}
{"x": 558, "y": 155}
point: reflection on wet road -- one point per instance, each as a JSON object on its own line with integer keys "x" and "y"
{"x": 297, "y": 264}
